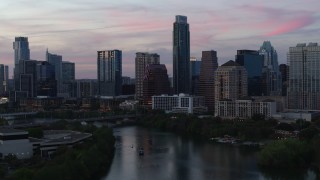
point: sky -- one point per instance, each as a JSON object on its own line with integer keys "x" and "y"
{"x": 77, "y": 29}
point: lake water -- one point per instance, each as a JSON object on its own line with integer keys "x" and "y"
{"x": 168, "y": 156}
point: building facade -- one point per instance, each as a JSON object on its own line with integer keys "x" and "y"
{"x": 272, "y": 75}
{"x": 195, "y": 67}
{"x": 181, "y": 56}
{"x": 253, "y": 62}
{"x": 244, "y": 109}
{"x": 181, "y": 103}
{"x": 230, "y": 81}
{"x": 206, "y": 79}
{"x": 304, "y": 77}
{"x": 4, "y": 78}
{"x": 56, "y": 61}
{"x": 21, "y": 53}
{"x": 155, "y": 82}
{"x": 284, "y": 70}
{"x": 109, "y": 66}
{"x": 141, "y": 61}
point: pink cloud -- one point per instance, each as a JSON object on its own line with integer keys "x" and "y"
{"x": 292, "y": 25}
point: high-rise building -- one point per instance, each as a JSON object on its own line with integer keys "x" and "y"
{"x": 195, "y": 66}
{"x": 28, "y": 77}
{"x": 68, "y": 71}
{"x": 56, "y": 61}
{"x": 141, "y": 61}
{"x": 109, "y": 72}
{"x": 155, "y": 82}
{"x": 284, "y": 69}
{"x": 231, "y": 81}
{"x": 46, "y": 83}
{"x": 272, "y": 76}
{"x": 304, "y": 77}
{"x": 206, "y": 79}
{"x": 4, "y": 78}
{"x": 181, "y": 56}
{"x": 253, "y": 62}
{"x": 21, "y": 53}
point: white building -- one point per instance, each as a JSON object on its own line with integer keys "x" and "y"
{"x": 181, "y": 103}
{"x": 15, "y": 142}
{"x": 245, "y": 108}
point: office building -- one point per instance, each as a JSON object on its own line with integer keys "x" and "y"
{"x": 195, "y": 66}
{"x": 68, "y": 71}
{"x": 4, "y": 78}
{"x": 109, "y": 66}
{"x": 141, "y": 61}
{"x": 253, "y": 62}
{"x": 155, "y": 82}
{"x": 56, "y": 61}
{"x": 28, "y": 78}
{"x": 21, "y": 53}
{"x": 181, "y": 103}
{"x": 230, "y": 81}
{"x": 46, "y": 83}
{"x": 206, "y": 78}
{"x": 181, "y": 56}
{"x": 284, "y": 70}
{"x": 272, "y": 75}
{"x": 304, "y": 77}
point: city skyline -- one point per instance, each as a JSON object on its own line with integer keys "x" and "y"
{"x": 77, "y": 29}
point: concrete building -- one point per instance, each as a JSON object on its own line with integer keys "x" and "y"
{"x": 244, "y": 108}
{"x": 21, "y": 53}
{"x": 109, "y": 68}
{"x": 181, "y": 56}
{"x": 181, "y": 103}
{"x": 4, "y": 78}
{"x": 304, "y": 77}
{"x": 141, "y": 61}
{"x": 253, "y": 62}
{"x": 15, "y": 142}
{"x": 230, "y": 81}
{"x": 155, "y": 82}
{"x": 206, "y": 79}
{"x": 272, "y": 75}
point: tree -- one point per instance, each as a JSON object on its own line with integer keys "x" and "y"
{"x": 308, "y": 133}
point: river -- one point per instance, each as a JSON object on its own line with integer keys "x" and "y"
{"x": 170, "y": 157}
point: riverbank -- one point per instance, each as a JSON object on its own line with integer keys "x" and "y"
{"x": 88, "y": 160}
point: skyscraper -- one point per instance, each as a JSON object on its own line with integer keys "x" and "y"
{"x": 195, "y": 66}
{"x": 272, "y": 74}
{"x": 304, "y": 77}
{"x": 109, "y": 64}
{"x": 4, "y": 73}
{"x": 231, "y": 81}
{"x": 253, "y": 62}
{"x": 181, "y": 56}
{"x": 155, "y": 82}
{"x": 56, "y": 61}
{"x": 68, "y": 71}
{"x": 141, "y": 61}
{"x": 206, "y": 80}
{"x": 284, "y": 69}
{"x": 21, "y": 52}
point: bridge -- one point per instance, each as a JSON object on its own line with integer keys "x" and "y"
{"x": 107, "y": 118}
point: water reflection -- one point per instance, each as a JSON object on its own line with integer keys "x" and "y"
{"x": 170, "y": 157}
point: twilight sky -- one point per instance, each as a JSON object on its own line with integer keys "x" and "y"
{"x": 77, "y": 29}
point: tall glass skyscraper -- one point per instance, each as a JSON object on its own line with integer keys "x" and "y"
{"x": 21, "y": 52}
{"x": 253, "y": 62}
{"x": 181, "y": 56}
{"x": 4, "y": 77}
{"x": 304, "y": 77}
{"x": 272, "y": 74}
{"x": 109, "y": 64}
{"x": 56, "y": 61}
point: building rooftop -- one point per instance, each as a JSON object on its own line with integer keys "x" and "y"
{"x": 231, "y": 63}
